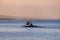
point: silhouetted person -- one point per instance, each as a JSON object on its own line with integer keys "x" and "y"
{"x": 28, "y": 24}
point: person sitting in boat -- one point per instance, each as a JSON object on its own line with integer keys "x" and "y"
{"x": 29, "y": 24}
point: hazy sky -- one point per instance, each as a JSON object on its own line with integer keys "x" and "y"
{"x": 42, "y": 9}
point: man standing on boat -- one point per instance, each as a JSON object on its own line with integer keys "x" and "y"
{"x": 29, "y": 24}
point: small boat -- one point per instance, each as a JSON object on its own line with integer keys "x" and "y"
{"x": 29, "y": 24}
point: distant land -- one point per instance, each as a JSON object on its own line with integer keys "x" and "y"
{"x": 5, "y": 17}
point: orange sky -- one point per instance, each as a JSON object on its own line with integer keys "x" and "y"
{"x": 42, "y": 9}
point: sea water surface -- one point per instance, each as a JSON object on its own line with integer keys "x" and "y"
{"x": 14, "y": 30}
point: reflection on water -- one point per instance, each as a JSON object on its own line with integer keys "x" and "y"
{"x": 13, "y": 30}
{"x": 31, "y": 34}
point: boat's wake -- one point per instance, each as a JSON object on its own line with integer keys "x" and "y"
{"x": 39, "y": 27}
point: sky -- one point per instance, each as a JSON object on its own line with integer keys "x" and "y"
{"x": 38, "y": 9}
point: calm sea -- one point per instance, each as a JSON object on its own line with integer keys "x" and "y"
{"x": 14, "y": 30}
